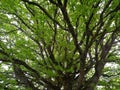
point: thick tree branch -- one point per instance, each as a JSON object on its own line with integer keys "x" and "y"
{"x": 22, "y": 78}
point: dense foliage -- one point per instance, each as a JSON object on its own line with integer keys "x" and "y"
{"x": 59, "y": 44}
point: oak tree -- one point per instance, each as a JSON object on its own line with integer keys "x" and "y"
{"x": 59, "y": 44}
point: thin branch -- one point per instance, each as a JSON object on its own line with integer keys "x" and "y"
{"x": 46, "y": 13}
{"x": 31, "y": 28}
{"x": 114, "y": 10}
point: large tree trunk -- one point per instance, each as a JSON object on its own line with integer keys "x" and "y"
{"x": 67, "y": 82}
{"x": 67, "y": 85}
{"x": 89, "y": 88}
